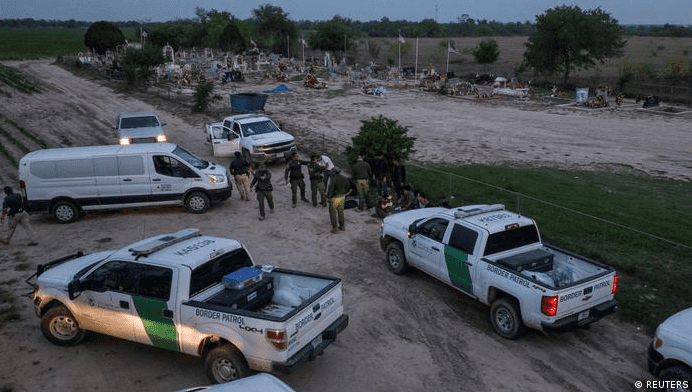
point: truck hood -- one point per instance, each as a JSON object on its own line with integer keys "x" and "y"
{"x": 677, "y": 325}
{"x": 404, "y": 219}
{"x": 272, "y": 137}
{"x": 60, "y": 275}
{"x": 140, "y": 132}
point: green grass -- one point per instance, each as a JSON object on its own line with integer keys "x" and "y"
{"x": 21, "y": 44}
{"x": 12, "y": 78}
{"x": 638, "y": 224}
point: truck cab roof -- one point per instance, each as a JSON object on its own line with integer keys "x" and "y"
{"x": 493, "y": 218}
{"x": 186, "y": 247}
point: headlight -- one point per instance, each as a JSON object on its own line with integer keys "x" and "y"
{"x": 217, "y": 179}
{"x": 161, "y": 138}
{"x": 124, "y": 141}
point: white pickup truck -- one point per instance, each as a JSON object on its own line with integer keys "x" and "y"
{"x": 255, "y": 136}
{"x": 195, "y": 294}
{"x": 497, "y": 257}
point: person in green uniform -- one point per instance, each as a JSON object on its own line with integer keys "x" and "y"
{"x": 338, "y": 190}
{"x": 316, "y": 173}
{"x": 263, "y": 180}
{"x": 294, "y": 172}
{"x": 362, "y": 174}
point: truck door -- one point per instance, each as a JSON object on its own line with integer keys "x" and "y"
{"x": 427, "y": 247}
{"x": 105, "y": 305}
{"x": 155, "y": 306}
{"x": 171, "y": 178}
{"x": 459, "y": 257}
{"x": 134, "y": 179}
{"x": 224, "y": 143}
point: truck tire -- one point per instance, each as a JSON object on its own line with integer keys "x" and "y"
{"x": 396, "y": 259}
{"x": 60, "y": 327}
{"x": 506, "y": 318}
{"x": 225, "y": 363}
{"x": 197, "y": 202}
{"x": 677, "y": 373}
{"x": 65, "y": 212}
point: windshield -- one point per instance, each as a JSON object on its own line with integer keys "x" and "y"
{"x": 139, "y": 122}
{"x": 258, "y": 128}
{"x": 511, "y": 239}
{"x": 190, "y": 158}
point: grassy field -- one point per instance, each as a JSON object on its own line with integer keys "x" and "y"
{"x": 21, "y": 44}
{"x": 638, "y": 224}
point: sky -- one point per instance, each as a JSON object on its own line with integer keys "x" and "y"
{"x": 657, "y": 12}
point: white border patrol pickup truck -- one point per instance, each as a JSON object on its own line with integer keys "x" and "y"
{"x": 497, "y": 257}
{"x": 164, "y": 291}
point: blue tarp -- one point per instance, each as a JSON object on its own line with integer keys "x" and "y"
{"x": 282, "y": 88}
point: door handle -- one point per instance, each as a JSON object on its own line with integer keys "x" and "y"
{"x": 167, "y": 313}
{"x": 156, "y": 179}
{"x": 127, "y": 179}
{"x": 434, "y": 248}
{"x": 124, "y": 304}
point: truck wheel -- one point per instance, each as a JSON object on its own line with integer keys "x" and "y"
{"x": 197, "y": 202}
{"x": 60, "y": 327}
{"x": 225, "y": 363}
{"x": 677, "y": 373}
{"x": 65, "y": 212}
{"x": 506, "y": 318}
{"x": 396, "y": 260}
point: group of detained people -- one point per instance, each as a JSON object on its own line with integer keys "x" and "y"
{"x": 394, "y": 194}
{"x": 326, "y": 181}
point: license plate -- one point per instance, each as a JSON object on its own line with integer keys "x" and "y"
{"x": 317, "y": 341}
{"x": 583, "y": 315}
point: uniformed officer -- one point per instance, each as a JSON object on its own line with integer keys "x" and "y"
{"x": 316, "y": 174}
{"x": 338, "y": 190}
{"x": 362, "y": 174}
{"x": 294, "y": 171}
{"x": 264, "y": 188}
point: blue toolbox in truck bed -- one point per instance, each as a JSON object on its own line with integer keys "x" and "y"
{"x": 246, "y": 289}
{"x": 242, "y": 278}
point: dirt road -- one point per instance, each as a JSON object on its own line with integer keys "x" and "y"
{"x": 406, "y": 333}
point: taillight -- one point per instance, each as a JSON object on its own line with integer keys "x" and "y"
{"x": 277, "y": 337}
{"x": 615, "y": 284}
{"x": 549, "y": 305}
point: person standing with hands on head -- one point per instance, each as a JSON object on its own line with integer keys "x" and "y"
{"x": 326, "y": 163}
{"x": 13, "y": 207}
{"x": 263, "y": 187}
{"x": 315, "y": 172}
{"x": 337, "y": 191}
{"x": 294, "y": 171}
{"x": 240, "y": 169}
{"x": 362, "y": 174}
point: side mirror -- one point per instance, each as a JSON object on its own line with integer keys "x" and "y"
{"x": 164, "y": 124}
{"x": 411, "y": 230}
{"x": 74, "y": 289}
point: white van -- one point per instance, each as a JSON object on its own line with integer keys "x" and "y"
{"x": 66, "y": 182}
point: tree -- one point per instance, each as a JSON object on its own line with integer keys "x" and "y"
{"x": 380, "y": 136}
{"x": 567, "y": 39}
{"x": 138, "y": 64}
{"x": 231, "y": 39}
{"x": 487, "y": 52}
{"x": 274, "y": 27}
{"x": 334, "y": 36}
{"x": 102, "y": 36}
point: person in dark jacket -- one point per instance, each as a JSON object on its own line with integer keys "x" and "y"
{"x": 398, "y": 177}
{"x": 294, "y": 172}
{"x": 13, "y": 207}
{"x": 337, "y": 192}
{"x": 262, "y": 182}
{"x": 240, "y": 169}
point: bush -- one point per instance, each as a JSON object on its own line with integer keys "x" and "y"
{"x": 102, "y": 36}
{"x": 203, "y": 93}
{"x": 380, "y": 136}
{"x": 676, "y": 67}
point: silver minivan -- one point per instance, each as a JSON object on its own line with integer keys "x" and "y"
{"x": 67, "y": 182}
